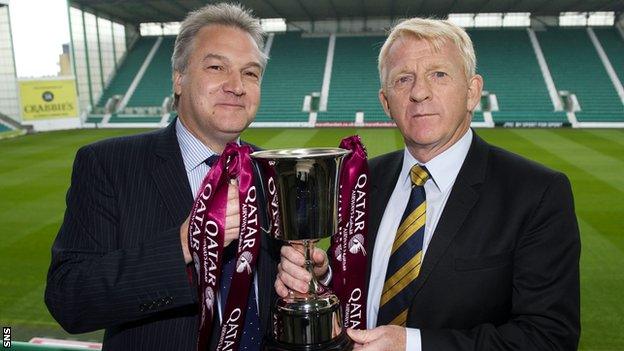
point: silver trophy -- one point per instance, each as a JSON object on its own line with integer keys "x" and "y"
{"x": 307, "y": 183}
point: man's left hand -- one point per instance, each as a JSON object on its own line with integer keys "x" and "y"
{"x": 384, "y": 338}
{"x": 291, "y": 273}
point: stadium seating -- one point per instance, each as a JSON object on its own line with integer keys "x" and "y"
{"x": 155, "y": 84}
{"x": 576, "y": 67}
{"x": 354, "y": 81}
{"x": 295, "y": 69}
{"x": 128, "y": 69}
{"x": 506, "y": 60}
{"x": 613, "y": 45}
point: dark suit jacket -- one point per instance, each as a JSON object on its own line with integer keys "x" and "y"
{"x": 502, "y": 269}
{"x": 117, "y": 261}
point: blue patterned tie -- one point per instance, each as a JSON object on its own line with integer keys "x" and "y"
{"x": 251, "y": 338}
{"x": 406, "y": 257}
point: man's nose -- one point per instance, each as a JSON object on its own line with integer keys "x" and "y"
{"x": 421, "y": 90}
{"x": 234, "y": 84}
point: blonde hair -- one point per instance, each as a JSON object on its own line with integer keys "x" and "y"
{"x": 436, "y": 32}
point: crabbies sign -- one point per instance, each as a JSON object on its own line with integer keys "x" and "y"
{"x": 48, "y": 99}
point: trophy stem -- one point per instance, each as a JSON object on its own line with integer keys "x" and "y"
{"x": 313, "y": 287}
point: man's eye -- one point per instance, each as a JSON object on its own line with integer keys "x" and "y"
{"x": 439, "y": 74}
{"x": 215, "y": 67}
{"x": 404, "y": 80}
{"x": 252, "y": 74}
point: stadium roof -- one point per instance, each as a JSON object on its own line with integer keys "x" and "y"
{"x": 141, "y": 11}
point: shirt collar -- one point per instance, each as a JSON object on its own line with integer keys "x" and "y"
{"x": 443, "y": 168}
{"x": 194, "y": 152}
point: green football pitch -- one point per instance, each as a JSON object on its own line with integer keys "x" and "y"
{"x": 35, "y": 172}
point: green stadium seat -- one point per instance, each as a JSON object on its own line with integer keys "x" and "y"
{"x": 354, "y": 83}
{"x": 576, "y": 67}
{"x": 507, "y": 62}
{"x": 127, "y": 70}
{"x": 613, "y": 45}
{"x": 155, "y": 84}
{"x": 295, "y": 69}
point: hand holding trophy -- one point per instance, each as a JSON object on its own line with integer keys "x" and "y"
{"x": 305, "y": 185}
{"x": 313, "y": 194}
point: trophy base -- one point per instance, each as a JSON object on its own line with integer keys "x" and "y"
{"x": 340, "y": 343}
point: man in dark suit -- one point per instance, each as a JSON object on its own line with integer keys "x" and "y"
{"x": 121, "y": 259}
{"x": 470, "y": 247}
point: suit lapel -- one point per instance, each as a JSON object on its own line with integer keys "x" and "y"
{"x": 383, "y": 180}
{"x": 462, "y": 199}
{"x": 170, "y": 176}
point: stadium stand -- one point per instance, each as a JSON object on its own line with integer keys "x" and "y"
{"x": 128, "y": 69}
{"x": 295, "y": 69}
{"x": 4, "y": 128}
{"x": 508, "y": 64}
{"x": 613, "y": 45}
{"x": 354, "y": 81}
{"x": 156, "y": 83}
{"x": 576, "y": 67}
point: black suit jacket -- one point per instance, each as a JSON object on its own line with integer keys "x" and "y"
{"x": 117, "y": 261}
{"x": 502, "y": 269}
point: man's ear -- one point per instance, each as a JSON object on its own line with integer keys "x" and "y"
{"x": 383, "y": 99}
{"x": 475, "y": 86}
{"x": 177, "y": 82}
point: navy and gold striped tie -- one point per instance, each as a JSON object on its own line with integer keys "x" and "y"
{"x": 406, "y": 255}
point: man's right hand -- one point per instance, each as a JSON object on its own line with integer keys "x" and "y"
{"x": 232, "y": 222}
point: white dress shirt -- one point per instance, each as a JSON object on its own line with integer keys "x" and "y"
{"x": 194, "y": 155}
{"x": 443, "y": 170}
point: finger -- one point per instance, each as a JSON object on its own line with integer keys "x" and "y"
{"x": 365, "y": 336}
{"x": 292, "y": 254}
{"x": 358, "y": 336}
{"x": 280, "y": 288}
{"x": 292, "y": 282}
{"x": 319, "y": 257}
{"x": 230, "y": 235}
{"x": 232, "y": 221}
{"x": 232, "y": 208}
{"x": 296, "y": 271}
{"x": 232, "y": 193}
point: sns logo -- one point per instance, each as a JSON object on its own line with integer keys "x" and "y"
{"x": 6, "y": 337}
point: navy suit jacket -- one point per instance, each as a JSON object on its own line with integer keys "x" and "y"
{"x": 502, "y": 269}
{"x": 117, "y": 261}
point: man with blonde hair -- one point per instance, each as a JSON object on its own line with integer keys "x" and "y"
{"x": 121, "y": 260}
{"x": 470, "y": 247}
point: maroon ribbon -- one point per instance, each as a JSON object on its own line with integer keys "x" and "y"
{"x": 206, "y": 240}
{"x": 348, "y": 246}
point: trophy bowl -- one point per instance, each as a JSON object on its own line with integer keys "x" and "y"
{"x": 307, "y": 189}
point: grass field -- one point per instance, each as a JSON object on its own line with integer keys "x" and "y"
{"x": 35, "y": 172}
